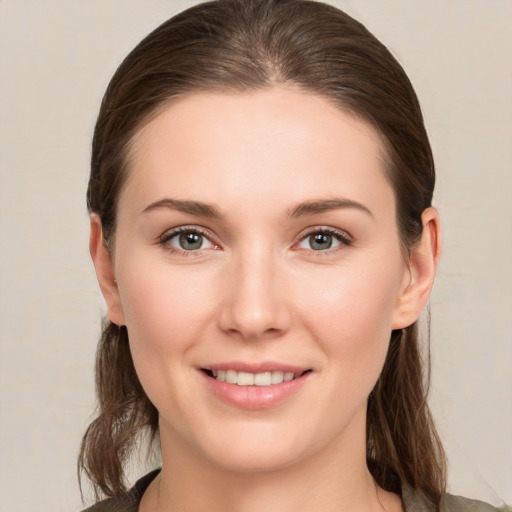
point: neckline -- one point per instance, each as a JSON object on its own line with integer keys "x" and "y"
{"x": 410, "y": 499}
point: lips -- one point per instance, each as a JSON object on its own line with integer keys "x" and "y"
{"x": 255, "y": 386}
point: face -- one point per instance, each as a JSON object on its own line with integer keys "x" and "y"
{"x": 259, "y": 274}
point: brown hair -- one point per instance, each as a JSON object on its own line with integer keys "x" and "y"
{"x": 241, "y": 45}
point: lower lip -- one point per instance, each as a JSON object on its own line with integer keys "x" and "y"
{"x": 255, "y": 397}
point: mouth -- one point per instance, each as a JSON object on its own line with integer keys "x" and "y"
{"x": 241, "y": 378}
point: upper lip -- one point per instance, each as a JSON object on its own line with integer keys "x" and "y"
{"x": 261, "y": 367}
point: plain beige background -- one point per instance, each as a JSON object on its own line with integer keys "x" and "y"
{"x": 56, "y": 59}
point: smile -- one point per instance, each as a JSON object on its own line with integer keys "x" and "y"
{"x": 253, "y": 379}
{"x": 255, "y": 386}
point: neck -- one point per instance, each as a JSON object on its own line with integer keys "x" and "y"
{"x": 332, "y": 480}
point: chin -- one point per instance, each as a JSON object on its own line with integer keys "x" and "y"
{"x": 254, "y": 449}
{"x": 255, "y": 459}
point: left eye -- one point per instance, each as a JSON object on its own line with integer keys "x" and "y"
{"x": 189, "y": 241}
{"x": 321, "y": 241}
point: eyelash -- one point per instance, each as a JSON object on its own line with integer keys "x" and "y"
{"x": 341, "y": 236}
{"x": 169, "y": 235}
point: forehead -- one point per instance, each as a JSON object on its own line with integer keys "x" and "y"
{"x": 276, "y": 142}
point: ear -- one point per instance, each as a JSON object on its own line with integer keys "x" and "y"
{"x": 419, "y": 279}
{"x": 105, "y": 271}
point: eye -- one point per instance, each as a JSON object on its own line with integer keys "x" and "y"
{"x": 324, "y": 239}
{"x": 187, "y": 239}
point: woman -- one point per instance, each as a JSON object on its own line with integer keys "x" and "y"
{"x": 263, "y": 235}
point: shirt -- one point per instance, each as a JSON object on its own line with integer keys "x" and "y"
{"x": 412, "y": 501}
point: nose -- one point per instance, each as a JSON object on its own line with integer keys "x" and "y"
{"x": 255, "y": 304}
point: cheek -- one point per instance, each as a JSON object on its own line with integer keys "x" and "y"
{"x": 165, "y": 308}
{"x": 165, "y": 314}
{"x": 351, "y": 317}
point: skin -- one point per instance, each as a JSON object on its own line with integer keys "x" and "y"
{"x": 257, "y": 290}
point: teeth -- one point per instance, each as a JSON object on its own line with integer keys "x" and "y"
{"x": 244, "y": 379}
{"x": 263, "y": 379}
{"x": 277, "y": 377}
{"x": 231, "y": 376}
{"x": 253, "y": 379}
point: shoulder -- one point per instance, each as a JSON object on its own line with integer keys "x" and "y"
{"x": 127, "y": 502}
{"x": 417, "y": 502}
{"x": 121, "y": 503}
{"x": 459, "y": 504}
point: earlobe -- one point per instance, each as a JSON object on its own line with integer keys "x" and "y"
{"x": 422, "y": 266}
{"x": 105, "y": 271}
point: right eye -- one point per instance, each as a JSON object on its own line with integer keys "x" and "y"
{"x": 186, "y": 240}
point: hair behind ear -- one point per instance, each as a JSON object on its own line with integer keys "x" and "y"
{"x": 402, "y": 442}
{"x": 124, "y": 412}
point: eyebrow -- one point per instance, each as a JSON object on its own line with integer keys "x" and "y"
{"x": 196, "y": 208}
{"x": 201, "y": 209}
{"x": 325, "y": 205}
